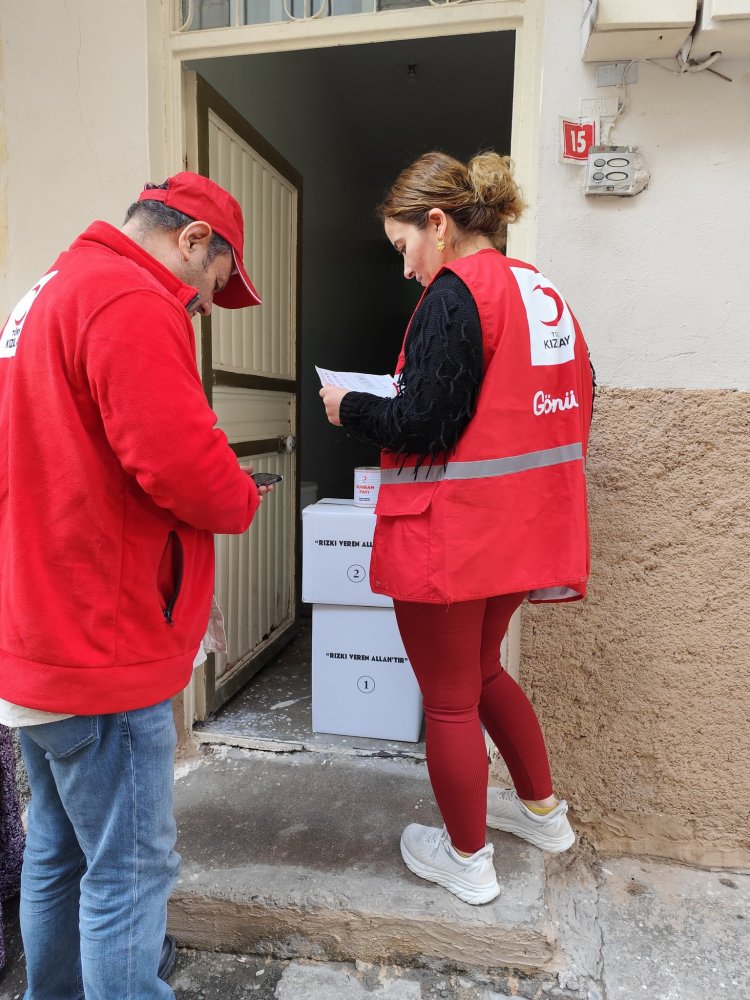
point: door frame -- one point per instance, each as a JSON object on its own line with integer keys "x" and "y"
{"x": 168, "y": 49}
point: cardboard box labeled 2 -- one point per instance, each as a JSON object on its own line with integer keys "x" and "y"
{"x": 336, "y": 548}
{"x": 362, "y": 682}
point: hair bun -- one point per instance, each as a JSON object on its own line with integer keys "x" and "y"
{"x": 481, "y": 197}
{"x": 491, "y": 180}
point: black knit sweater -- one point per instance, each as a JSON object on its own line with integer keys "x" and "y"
{"x": 439, "y": 382}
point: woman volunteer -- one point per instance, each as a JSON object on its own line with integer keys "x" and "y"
{"x": 482, "y": 501}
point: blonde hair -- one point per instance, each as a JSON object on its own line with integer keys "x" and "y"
{"x": 480, "y": 196}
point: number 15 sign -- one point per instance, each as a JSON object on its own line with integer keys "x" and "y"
{"x": 576, "y": 135}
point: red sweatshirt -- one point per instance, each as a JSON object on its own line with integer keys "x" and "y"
{"x": 113, "y": 479}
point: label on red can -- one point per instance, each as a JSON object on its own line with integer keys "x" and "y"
{"x": 366, "y": 485}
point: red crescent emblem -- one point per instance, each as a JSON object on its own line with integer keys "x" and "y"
{"x": 559, "y": 304}
{"x": 16, "y": 319}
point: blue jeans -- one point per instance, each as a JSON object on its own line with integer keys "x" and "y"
{"x": 100, "y": 861}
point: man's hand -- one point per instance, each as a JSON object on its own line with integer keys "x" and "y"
{"x": 332, "y": 396}
{"x": 262, "y": 490}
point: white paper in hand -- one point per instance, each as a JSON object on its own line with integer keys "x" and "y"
{"x": 378, "y": 385}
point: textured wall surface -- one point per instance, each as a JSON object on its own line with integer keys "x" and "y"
{"x": 643, "y": 688}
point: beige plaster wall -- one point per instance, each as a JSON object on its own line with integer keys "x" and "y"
{"x": 74, "y": 127}
{"x": 643, "y": 689}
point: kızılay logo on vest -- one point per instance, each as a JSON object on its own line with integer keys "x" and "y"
{"x": 552, "y": 335}
{"x": 11, "y": 332}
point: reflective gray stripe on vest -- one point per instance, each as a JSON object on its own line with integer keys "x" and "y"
{"x": 486, "y": 469}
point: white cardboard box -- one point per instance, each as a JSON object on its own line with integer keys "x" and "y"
{"x": 336, "y": 548}
{"x": 362, "y": 681}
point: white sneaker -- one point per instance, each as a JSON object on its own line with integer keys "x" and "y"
{"x": 428, "y": 852}
{"x": 505, "y": 811}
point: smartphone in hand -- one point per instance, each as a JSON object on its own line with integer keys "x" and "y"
{"x": 266, "y": 478}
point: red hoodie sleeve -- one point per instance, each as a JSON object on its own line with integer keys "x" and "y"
{"x": 137, "y": 356}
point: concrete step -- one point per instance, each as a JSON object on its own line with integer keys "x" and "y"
{"x": 296, "y": 855}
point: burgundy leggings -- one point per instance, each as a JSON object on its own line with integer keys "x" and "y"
{"x": 455, "y": 654}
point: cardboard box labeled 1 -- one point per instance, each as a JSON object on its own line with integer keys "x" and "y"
{"x": 362, "y": 682}
{"x": 336, "y": 548}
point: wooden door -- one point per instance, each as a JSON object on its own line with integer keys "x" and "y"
{"x": 250, "y": 362}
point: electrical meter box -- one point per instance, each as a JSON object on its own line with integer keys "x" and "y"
{"x": 611, "y": 170}
{"x": 614, "y": 30}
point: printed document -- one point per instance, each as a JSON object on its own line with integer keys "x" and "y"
{"x": 378, "y": 385}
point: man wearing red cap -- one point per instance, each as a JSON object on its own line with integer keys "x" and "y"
{"x": 113, "y": 480}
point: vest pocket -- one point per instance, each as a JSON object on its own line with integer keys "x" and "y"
{"x": 397, "y": 500}
{"x": 169, "y": 576}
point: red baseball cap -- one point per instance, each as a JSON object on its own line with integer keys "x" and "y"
{"x": 203, "y": 200}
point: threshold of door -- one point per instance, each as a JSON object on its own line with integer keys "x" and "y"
{"x": 273, "y": 712}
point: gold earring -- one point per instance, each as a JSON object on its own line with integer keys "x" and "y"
{"x": 441, "y": 244}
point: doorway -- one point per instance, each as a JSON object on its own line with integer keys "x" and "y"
{"x": 348, "y": 119}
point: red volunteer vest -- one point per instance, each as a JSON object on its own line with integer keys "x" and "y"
{"x": 506, "y": 511}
